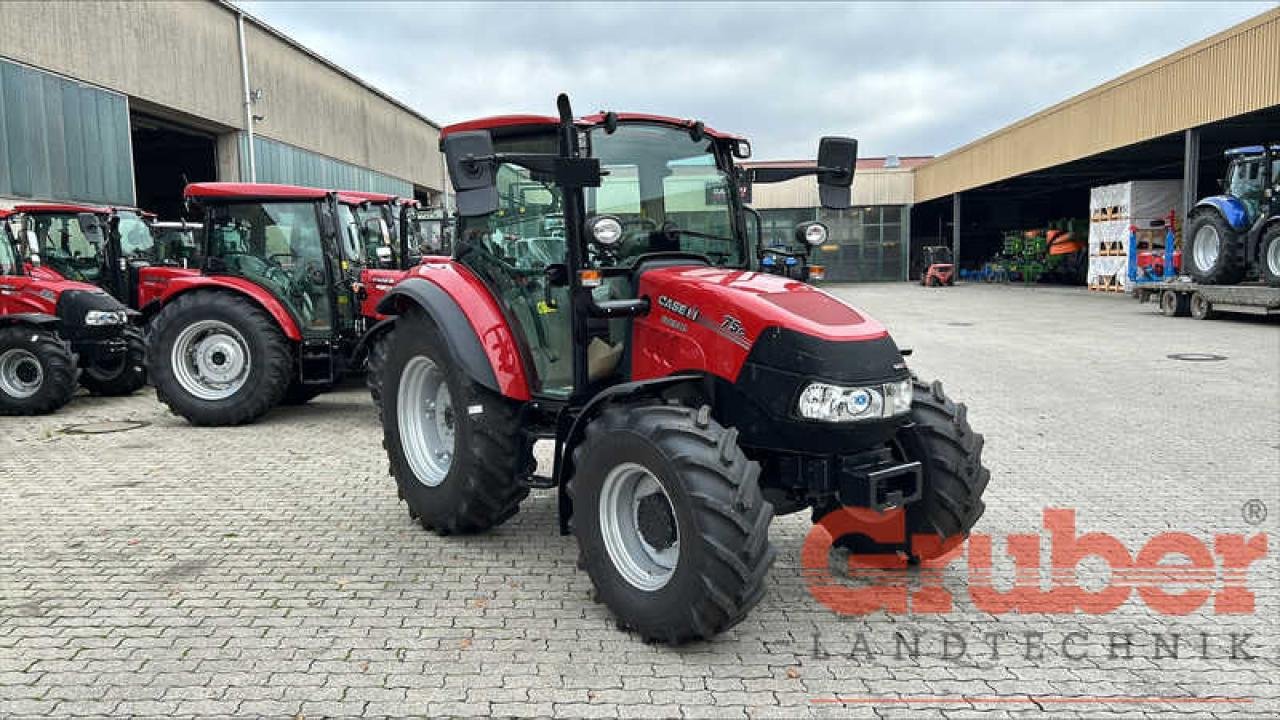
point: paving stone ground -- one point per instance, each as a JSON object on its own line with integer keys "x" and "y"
{"x": 269, "y": 570}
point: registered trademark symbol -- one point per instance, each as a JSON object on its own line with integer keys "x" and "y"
{"x": 1254, "y": 511}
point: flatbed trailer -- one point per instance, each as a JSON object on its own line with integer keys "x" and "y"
{"x": 1181, "y": 297}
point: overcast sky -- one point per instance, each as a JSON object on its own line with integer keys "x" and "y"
{"x": 907, "y": 79}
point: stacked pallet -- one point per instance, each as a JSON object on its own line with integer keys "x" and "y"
{"x": 1113, "y": 209}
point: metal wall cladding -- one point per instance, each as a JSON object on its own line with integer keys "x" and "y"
{"x": 1232, "y": 73}
{"x": 277, "y": 162}
{"x": 870, "y": 187}
{"x": 62, "y": 140}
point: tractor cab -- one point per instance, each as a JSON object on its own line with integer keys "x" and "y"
{"x": 177, "y": 243}
{"x": 110, "y": 247}
{"x": 300, "y": 245}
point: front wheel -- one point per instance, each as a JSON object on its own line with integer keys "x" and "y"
{"x": 670, "y": 520}
{"x": 218, "y": 359}
{"x": 953, "y": 478}
{"x": 37, "y": 371}
{"x": 454, "y": 446}
{"x": 122, "y": 374}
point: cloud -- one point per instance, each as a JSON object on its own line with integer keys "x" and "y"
{"x": 905, "y": 79}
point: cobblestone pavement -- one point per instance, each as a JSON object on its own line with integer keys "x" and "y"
{"x": 270, "y": 570}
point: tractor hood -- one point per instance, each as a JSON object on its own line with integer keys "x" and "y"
{"x": 764, "y": 338}
{"x": 756, "y": 301}
{"x": 711, "y": 319}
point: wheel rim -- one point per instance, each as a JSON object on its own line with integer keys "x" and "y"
{"x": 428, "y": 427}
{"x": 211, "y": 360}
{"x": 638, "y": 524}
{"x": 21, "y": 374}
{"x": 1207, "y": 247}
{"x": 1273, "y": 257}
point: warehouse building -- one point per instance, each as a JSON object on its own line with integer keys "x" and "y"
{"x": 121, "y": 102}
{"x": 1168, "y": 120}
{"x": 868, "y": 242}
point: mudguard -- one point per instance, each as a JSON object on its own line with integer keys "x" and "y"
{"x": 42, "y": 320}
{"x": 1231, "y": 208}
{"x": 480, "y": 340}
{"x": 176, "y": 286}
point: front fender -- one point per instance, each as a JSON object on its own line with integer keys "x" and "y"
{"x": 1231, "y": 209}
{"x": 180, "y": 285}
{"x": 461, "y": 306}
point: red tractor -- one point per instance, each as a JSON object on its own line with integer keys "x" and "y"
{"x": 274, "y": 313}
{"x": 597, "y": 297}
{"x": 49, "y": 324}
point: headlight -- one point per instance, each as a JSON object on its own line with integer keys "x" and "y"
{"x": 834, "y": 403}
{"x": 605, "y": 230}
{"x": 105, "y": 317}
{"x": 812, "y": 234}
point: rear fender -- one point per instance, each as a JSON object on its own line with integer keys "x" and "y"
{"x": 181, "y": 285}
{"x": 1230, "y": 208}
{"x": 479, "y": 338}
{"x": 567, "y": 441}
{"x": 43, "y": 321}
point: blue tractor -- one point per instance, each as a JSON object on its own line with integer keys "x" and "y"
{"x": 1228, "y": 234}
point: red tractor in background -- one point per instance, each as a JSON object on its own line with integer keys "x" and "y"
{"x": 939, "y": 266}
{"x": 48, "y": 325}
{"x": 111, "y": 247}
{"x": 690, "y": 398}
{"x": 274, "y": 313}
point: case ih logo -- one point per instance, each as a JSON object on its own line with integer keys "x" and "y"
{"x": 677, "y": 307}
{"x": 1174, "y": 573}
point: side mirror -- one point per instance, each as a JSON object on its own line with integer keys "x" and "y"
{"x": 741, "y": 149}
{"x": 469, "y": 158}
{"x": 837, "y": 157}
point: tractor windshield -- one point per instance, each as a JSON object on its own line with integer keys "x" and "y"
{"x": 1244, "y": 180}
{"x": 668, "y": 191}
{"x": 276, "y": 245}
{"x": 66, "y": 247}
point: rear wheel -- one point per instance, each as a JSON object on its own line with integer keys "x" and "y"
{"x": 454, "y": 446}
{"x": 1201, "y": 308}
{"x": 1215, "y": 251}
{"x": 671, "y": 523}
{"x": 37, "y": 371}
{"x": 124, "y": 373}
{"x": 218, "y": 359}
{"x": 1271, "y": 255}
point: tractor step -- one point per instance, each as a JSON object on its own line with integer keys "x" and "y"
{"x": 539, "y": 482}
{"x": 315, "y": 363}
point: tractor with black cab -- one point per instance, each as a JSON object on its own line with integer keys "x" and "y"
{"x": 690, "y": 397}
{"x": 1230, "y": 236}
{"x": 56, "y": 332}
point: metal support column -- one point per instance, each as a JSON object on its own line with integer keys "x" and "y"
{"x": 955, "y": 230}
{"x": 1190, "y": 171}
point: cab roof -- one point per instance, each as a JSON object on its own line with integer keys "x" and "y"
{"x": 38, "y": 208}
{"x": 265, "y": 191}
{"x": 1251, "y": 150}
{"x": 508, "y": 121}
